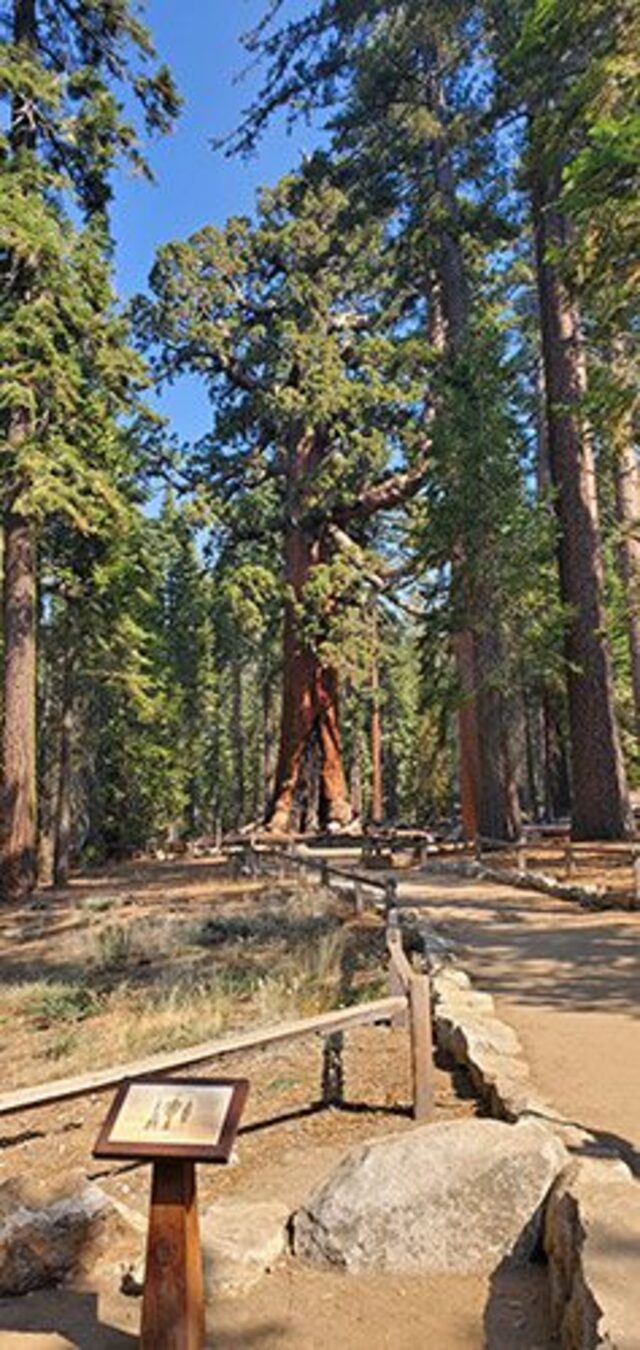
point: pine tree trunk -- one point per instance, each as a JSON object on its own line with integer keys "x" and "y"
{"x": 355, "y": 775}
{"x": 62, "y": 836}
{"x": 468, "y": 738}
{"x": 531, "y": 725}
{"x": 557, "y": 788}
{"x": 377, "y": 798}
{"x": 600, "y": 797}
{"x": 18, "y": 821}
{"x": 268, "y": 739}
{"x": 18, "y": 797}
{"x": 486, "y": 788}
{"x": 237, "y": 701}
{"x": 499, "y": 807}
{"x": 447, "y": 328}
{"x": 627, "y": 483}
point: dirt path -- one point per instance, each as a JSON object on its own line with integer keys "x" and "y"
{"x": 296, "y": 1309}
{"x": 568, "y": 981}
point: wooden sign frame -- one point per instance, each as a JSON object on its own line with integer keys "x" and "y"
{"x": 216, "y": 1152}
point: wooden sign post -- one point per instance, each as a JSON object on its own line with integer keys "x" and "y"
{"x": 173, "y": 1303}
{"x": 173, "y": 1123}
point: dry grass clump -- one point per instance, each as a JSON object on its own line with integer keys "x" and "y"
{"x": 144, "y": 985}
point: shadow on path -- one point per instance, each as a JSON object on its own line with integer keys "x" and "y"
{"x": 62, "y": 1313}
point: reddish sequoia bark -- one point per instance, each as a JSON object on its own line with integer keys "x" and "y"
{"x": 335, "y": 799}
{"x": 309, "y": 707}
{"x": 600, "y": 797}
{"x": 310, "y": 690}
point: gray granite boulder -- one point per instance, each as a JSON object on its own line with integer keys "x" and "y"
{"x": 40, "y": 1245}
{"x": 459, "y": 1197}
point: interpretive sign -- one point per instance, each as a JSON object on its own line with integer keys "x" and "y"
{"x": 194, "y": 1118}
{"x": 173, "y": 1123}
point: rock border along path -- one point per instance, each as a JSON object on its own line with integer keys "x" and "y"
{"x": 591, "y": 1232}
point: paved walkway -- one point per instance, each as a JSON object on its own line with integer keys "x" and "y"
{"x": 568, "y": 981}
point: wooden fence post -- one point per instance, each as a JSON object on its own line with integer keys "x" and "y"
{"x": 397, "y": 979}
{"x": 636, "y": 882}
{"x": 421, "y": 1046}
{"x": 569, "y": 861}
{"x": 390, "y": 894}
{"x": 358, "y": 897}
{"x": 333, "y": 1069}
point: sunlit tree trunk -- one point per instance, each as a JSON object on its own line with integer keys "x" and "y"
{"x": 19, "y": 730}
{"x": 486, "y": 775}
{"x": 309, "y": 689}
{"x": 627, "y": 486}
{"x": 599, "y": 788}
{"x": 18, "y": 827}
{"x": 488, "y": 797}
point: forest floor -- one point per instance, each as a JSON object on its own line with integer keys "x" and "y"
{"x": 146, "y": 956}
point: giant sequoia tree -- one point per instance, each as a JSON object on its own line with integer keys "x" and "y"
{"x": 392, "y": 74}
{"x": 60, "y": 66}
{"x": 420, "y": 68}
{"x": 284, "y": 321}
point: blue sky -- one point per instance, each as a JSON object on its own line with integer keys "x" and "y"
{"x": 196, "y": 185}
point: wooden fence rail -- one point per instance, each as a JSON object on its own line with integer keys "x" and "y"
{"x": 64, "y": 1089}
{"x": 359, "y": 880}
{"x": 324, "y": 1024}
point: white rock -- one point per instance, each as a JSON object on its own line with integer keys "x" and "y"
{"x": 241, "y": 1241}
{"x": 457, "y": 1197}
{"x": 450, "y": 977}
{"x": 454, "y": 1001}
{"x": 470, "y": 1036}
